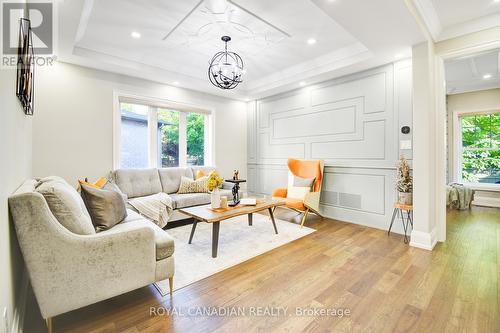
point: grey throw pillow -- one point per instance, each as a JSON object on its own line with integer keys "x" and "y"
{"x": 303, "y": 182}
{"x": 106, "y": 207}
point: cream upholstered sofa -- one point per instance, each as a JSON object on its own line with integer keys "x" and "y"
{"x": 69, "y": 270}
{"x": 143, "y": 182}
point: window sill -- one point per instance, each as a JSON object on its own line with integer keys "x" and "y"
{"x": 483, "y": 187}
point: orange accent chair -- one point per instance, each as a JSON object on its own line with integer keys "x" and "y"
{"x": 304, "y": 169}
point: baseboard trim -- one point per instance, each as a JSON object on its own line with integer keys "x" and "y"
{"x": 423, "y": 240}
{"x": 20, "y": 309}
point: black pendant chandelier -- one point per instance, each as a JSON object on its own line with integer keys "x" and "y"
{"x": 226, "y": 68}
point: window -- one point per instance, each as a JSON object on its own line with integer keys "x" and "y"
{"x": 134, "y": 136}
{"x": 479, "y": 158}
{"x": 168, "y": 138}
{"x": 152, "y": 135}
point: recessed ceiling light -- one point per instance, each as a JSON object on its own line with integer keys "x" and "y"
{"x": 487, "y": 76}
{"x": 311, "y": 41}
{"x": 302, "y": 83}
{"x": 135, "y": 35}
{"x": 176, "y": 83}
{"x": 496, "y": 1}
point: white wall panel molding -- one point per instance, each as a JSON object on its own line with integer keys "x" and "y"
{"x": 353, "y": 124}
{"x": 371, "y": 147}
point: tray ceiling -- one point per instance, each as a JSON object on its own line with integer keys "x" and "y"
{"x": 178, "y": 38}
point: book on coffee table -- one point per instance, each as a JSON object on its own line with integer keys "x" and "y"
{"x": 248, "y": 202}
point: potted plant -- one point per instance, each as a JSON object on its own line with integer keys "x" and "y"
{"x": 404, "y": 182}
{"x": 213, "y": 184}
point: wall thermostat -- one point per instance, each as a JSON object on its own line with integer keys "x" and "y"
{"x": 405, "y": 129}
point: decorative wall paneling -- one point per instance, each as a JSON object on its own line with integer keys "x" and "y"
{"x": 353, "y": 124}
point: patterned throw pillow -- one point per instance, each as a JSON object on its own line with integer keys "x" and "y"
{"x": 189, "y": 185}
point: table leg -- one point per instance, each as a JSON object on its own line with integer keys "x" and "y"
{"x": 215, "y": 238}
{"x": 392, "y": 220}
{"x": 272, "y": 219}
{"x": 193, "y": 228}
{"x": 250, "y": 219}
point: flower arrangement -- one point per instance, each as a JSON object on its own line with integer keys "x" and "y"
{"x": 404, "y": 182}
{"x": 214, "y": 181}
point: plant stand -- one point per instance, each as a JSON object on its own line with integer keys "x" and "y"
{"x": 400, "y": 209}
{"x": 236, "y": 189}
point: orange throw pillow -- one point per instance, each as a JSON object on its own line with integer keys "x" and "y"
{"x": 98, "y": 184}
{"x": 199, "y": 174}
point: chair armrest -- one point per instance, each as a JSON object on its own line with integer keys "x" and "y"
{"x": 280, "y": 192}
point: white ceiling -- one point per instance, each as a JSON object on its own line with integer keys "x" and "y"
{"x": 466, "y": 73}
{"x": 182, "y": 36}
{"x": 451, "y": 18}
{"x": 179, "y": 37}
{"x": 452, "y": 12}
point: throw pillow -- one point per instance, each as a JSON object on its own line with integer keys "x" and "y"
{"x": 109, "y": 185}
{"x": 300, "y": 187}
{"x": 199, "y": 174}
{"x": 297, "y": 192}
{"x": 66, "y": 205}
{"x": 106, "y": 207}
{"x": 189, "y": 185}
{"x": 303, "y": 182}
{"x": 98, "y": 184}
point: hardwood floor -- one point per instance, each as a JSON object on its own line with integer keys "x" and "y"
{"x": 386, "y": 285}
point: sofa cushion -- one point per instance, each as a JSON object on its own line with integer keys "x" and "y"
{"x": 132, "y": 215}
{"x": 195, "y": 199}
{"x": 138, "y": 182}
{"x": 66, "y": 205}
{"x": 189, "y": 199}
{"x": 164, "y": 243}
{"x": 106, "y": 207}
{"x": 171, "y": 178}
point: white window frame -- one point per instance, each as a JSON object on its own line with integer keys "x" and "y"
{"x": 458, "y": 147}
{"x": 183, "y": 108}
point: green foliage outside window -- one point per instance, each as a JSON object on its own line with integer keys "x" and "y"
{"x": 169, "y": 137}
{"x": 481, "y": 148}
{"x": 195, "y": 126}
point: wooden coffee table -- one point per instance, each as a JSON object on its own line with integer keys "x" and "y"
{"x": 214, "y": 216}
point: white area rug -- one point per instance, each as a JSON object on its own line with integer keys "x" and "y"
{"x": 238, "y": 242}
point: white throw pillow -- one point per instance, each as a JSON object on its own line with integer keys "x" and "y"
{"x": 297, "y": 192}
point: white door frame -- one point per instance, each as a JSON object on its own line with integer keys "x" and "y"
{"x": 441, "y": 112}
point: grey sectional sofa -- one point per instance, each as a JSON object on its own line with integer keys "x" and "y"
{"x": 70, "y": 265}
{"x": 142, "y": 182}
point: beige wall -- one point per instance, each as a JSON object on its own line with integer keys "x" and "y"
{"x": 474, "y": 101}
{"x": 483, "y": 100}
{"x": 73, "y": 130}
{"x": 15, "y": 167}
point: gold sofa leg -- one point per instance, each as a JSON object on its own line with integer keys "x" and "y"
{"x": 48, "y": 321}
{"x": 171, "y": 284}
{"x": 304, "y": 217}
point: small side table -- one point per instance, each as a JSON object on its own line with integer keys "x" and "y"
{"x": 400, "y": 209}
{"x": 236, "y": 188}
